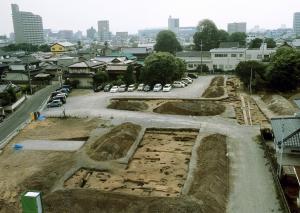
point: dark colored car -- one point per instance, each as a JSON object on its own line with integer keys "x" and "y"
{"x": 98, "y": 88}
{"x": 107, "y": 88}
{"x": 192, "y": 75}
{"x": 147, "y": 88}
{"x": 67, "y": 86}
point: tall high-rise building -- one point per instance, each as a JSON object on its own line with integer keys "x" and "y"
{"x": 173, "y": 24}
{"x": 297, "y": 23}
{"x": 91, "y": 33}
{"x": 103, "y": 30}
{"x": 240, "y": 27}
{"x": 28, "y": 27}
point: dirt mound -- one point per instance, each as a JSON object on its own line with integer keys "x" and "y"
{"x": 194, "y": 108}
{"x": 211, "y": 178}
{"x": 215, "y": 89}
{"x": 115, "y": 144}
{"x": 128, "y": 105}
{"x": 83, "y": 200}
{"x": 279, "y": 105}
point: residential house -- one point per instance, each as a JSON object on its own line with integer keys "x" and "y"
{"x": 139, "y": 52}
{"x": 193, "y": 59}
{"x": 62, "y": 47}
{"x": 84, "y": 72}
{"x": 260, "y": 54}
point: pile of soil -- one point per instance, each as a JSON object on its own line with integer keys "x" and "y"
{"x": 279, "y": 105}
{"x": 115, "y": 144}
{"x": 215, "y": 89}
{"x": 88, "y": 200}
{"x": 211, "y": 178}
{"x": 128, "y": 105}
{"x": 194, "y": 108}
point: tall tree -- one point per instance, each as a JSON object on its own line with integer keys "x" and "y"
{"x": 166, "y": 41}
{"x": 238, "y": 37}
{"x": 270, "y": 42}
{"x": 207, "y": 35}
{"x": 255, "y": 43}
{"x": 128, "y": 75}
{"x": 159, "y": 68}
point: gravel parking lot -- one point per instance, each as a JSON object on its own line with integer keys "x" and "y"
{"x": 252, "y": 188}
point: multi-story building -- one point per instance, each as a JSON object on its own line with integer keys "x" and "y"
{"x": 103, "y": 30}
{"x": 237, "y": 27}
{"x": 173, "y": 24}
{"x": 28, "y": 27}
{"x": 91, "y": 33}
{"x": 297, "y": 23}
{"x": 65, "y": 35}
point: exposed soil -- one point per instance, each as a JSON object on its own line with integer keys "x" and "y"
{"x": 279, "y": 105}
{"x": 211, "y": 178}
{"x": 194, "y": 108}
{"x": 38, "y": 170}
{"x": 128, "y": 105}
{"x": 158, "y": 168}
{"x": 80, "y": 92}
{"x": 215, "y": 89}
{"x": 115, "y": 144}
{"x": 88, "y": 200}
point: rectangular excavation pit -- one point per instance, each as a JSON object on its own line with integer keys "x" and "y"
{"x": 158, "y": 168}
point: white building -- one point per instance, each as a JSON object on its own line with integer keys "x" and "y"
{"x": 173, "y": 24}
{"x": 296, "y": 23}
{"x": 193, "y": 59}
{"x": 237, "y": 27}
{"x": 103, "y": 30}
{"x": 228, "y": 58}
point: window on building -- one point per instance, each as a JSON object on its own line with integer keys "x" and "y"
{"x": 190, "y": 66}
{"x": 233, "y": 55}
{"x": 219, "y": 55}
{"x": 259, "y": 56}
{"x": 241, "y": 55}
{"x": 60, "y": 48}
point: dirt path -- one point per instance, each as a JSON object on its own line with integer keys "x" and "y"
{"x": 216, "y": 88}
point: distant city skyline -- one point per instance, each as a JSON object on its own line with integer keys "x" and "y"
{"x": 132, "y": 15}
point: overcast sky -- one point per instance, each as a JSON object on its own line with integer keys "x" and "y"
{"x": 131, "y": 15}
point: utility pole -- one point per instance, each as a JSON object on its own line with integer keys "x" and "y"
{"x": 201, "y": 57}
{"x": 281, "y": 148}
{"x": 29, "y": 78}
{"x": 250, "y": 83}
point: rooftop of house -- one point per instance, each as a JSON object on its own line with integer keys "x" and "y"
{"x": 135, "y": 50}
{"x": 87, "y": 64}
{"x": 286, "y": 129}
{"x": 188, "y": 54}
{"x": 65, "y": 44}
{"x": 228, "y": 50}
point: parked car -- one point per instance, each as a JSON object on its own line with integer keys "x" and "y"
{"x": 167, "y": 88}
{"x": 141, "y": 87}
{"x": 60, "y": 98}
{"x": 185, "y": 83}
{"x": 157, "y": 87}
{"x": 131, "y": 88}
{"x": 63, "y": 91}
{"x": 192, "y": 75}
{"x": 122, "y": 88}
{"x": 190, "y": 79}
{"x": 178, "y": 84}
{"x": 187, "y": 80}
{"x": 114, "y": 89}
{"x": 147, "y": 88}
{"x": 107, "y": 87}
{"x": 54, "y": 103}
{"x": 2, "y": 114}
{"x": 67, "y": 86}
{"x": 98, "y": 88}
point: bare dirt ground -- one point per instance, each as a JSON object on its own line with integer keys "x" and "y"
{"x": 279, "y": 105}
{"x": 128, "y": 105}
{"x": 38, "y": 170}
{"x": 211, "y": 178}
{"x": 215, "y": 89}
{"x": 195, "y": 108}
{"x": 115, "y": 144}
{"x": 81, "y": 92}
{"x": 158, "y": 168}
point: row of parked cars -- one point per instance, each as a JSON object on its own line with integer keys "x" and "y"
{"x": 145, "y": 87}
{"x": 59, "y": 96}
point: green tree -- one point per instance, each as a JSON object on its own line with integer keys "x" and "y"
{"x": 166, "y": 41}
{"x": 270, "y": 43}
{"x": 243, "y": 70}
{"x": 180, "y": 70}
{"x": 255, "y": 43}
{"x": 44, "y": 48}
{"x": 204, "y": 68}
{"x": 207, "y": 35}
{"x": 129, "y": 75}
{"x": 238, "y": 37}
{"x": 159, "y": 68}
{"x": 100, "y": 78}
{"x": 283, "y": 72}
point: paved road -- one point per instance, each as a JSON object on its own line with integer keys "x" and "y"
{"x": 32, "y": 104}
